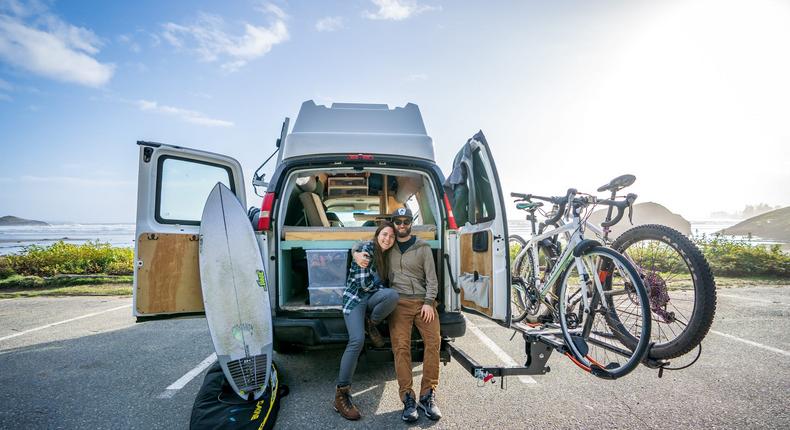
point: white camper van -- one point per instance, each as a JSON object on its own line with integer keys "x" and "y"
{"x": 339, "y": 170}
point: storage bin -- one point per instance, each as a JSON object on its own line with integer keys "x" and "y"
{"x": 327, "y": 267}
{"x": 326, "y": 296}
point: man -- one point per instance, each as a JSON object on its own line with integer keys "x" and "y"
{"x": 413, "y": 276}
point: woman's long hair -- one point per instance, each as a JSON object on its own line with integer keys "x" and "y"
{"x": 380, "y": 259}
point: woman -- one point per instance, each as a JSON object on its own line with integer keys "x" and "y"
{"x": 366, "y": 290}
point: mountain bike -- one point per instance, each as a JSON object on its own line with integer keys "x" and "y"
{"x": 592, "y": 292}
{"x": 681, "y": 287}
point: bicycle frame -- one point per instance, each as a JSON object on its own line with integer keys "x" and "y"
{"x": 575, "y": 235}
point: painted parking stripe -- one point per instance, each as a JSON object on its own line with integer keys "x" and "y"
{"x": 173, "y": 388}
{"x": 498, "y": 351}
{"x": 769, "y": 302}
{"x": 63, "y": 322}
{"x": 752, "y": 343}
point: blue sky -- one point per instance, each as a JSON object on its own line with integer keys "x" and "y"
{"x": 690, "y": 96}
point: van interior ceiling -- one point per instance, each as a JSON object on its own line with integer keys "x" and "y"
{"x": 325, "y": 212}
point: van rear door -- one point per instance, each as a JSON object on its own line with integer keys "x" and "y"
{"x": 481, "y": 265}
{"x": 172, "y": 186}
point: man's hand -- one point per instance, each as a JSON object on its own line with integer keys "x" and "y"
{"x": 362, "y": 258}
{"x": 427, "y": 314}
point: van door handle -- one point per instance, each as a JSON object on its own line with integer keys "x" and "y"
{"x": 450, "y": 274}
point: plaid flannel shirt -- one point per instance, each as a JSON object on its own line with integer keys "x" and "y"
{"x": 361, "y": 281}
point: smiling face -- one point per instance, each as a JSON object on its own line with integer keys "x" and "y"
{"x": 386, "y": 238}
{"x": 402, "y": 227}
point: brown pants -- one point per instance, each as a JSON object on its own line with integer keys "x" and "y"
{"x": 401, "y": 320}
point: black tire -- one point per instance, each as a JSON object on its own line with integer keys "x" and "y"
{"x": 524, "y": 296}
{"x": 593, "y": 338}
{"x": 664, "y": 256}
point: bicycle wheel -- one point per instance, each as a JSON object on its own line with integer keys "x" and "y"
{"x": 526, "y": 302}
{"x": 515, "y": 244}
{"x": 680, "y": 285}
{"x": 592, "y": 336}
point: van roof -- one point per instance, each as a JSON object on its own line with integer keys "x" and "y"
{"x": 357, "y": 128}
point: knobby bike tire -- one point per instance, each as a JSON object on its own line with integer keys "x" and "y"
{"x": 584, "y": 336}
{"x": 679, "y": 340}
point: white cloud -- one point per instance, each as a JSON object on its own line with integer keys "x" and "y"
{"x": 272, "y": 9}
{"x": 50, "y": 47}
{"x": 329, "y": 23}
{"x": 397, "y": 10}
{"x": 206, "y": 38}
{"x": 5, "y": 97}
{"x": 5, "y": 85}
{"x": 184, "y": 114}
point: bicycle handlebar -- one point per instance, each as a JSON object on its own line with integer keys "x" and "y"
{"x": 620, "y": 205}
{"x": 562, "y": 202}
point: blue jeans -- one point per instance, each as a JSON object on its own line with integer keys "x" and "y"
{"x": 380, "y": 304}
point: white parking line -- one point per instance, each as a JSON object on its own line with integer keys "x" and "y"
{"x": 173, "y": 388}
{"x": 733, "y": 296}
{"x": 62, "y": 322}
{"x": 497, "y": 350}
{"x": 752, "y": 343}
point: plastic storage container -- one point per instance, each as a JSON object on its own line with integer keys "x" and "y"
{"x": 326, "y": 296}
{"x": 327, "y": 267}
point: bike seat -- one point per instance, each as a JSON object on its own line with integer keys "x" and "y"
{"x": 528, "y": 206}
{"x": 618, "y": 183}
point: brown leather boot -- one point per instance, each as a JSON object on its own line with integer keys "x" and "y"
{"x": 343, "y": 404}
{"x": 375, "y": 337}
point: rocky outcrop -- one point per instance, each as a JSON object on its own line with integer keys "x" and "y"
{"x": 774, "y": 225}
{"x": 644, "y": 213}
{"x": 13, "y": 221}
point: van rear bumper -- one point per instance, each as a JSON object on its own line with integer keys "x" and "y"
{"x": 332, "y": 330}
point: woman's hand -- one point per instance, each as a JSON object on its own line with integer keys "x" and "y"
{"x": 427, "y": 314}
{"x": 361, "y": 258}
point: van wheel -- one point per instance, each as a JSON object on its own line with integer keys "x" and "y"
{"x": 286, "y": 348}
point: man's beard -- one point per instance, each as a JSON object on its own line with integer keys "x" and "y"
{"x": 404, "y": 233}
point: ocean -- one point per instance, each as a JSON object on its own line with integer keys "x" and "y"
{"x": 16, "y": 238}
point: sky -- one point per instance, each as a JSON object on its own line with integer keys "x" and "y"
{"x": 691, "y": 96}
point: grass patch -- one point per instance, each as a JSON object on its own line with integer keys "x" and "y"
{"x": 38, "y": 282}
{"x": 80, "y": 290}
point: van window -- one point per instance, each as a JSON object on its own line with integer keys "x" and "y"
{"x": 183, "y": 187}
{"x": 484, "y": 197}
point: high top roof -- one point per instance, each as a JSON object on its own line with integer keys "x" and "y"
{"x": 357, "y": 128}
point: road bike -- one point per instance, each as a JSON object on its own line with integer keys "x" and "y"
{"x": 680, "y": 284}
{"x": 591, "y": 292}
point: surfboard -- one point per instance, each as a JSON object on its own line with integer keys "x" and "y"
{"x": 235, "y": 294}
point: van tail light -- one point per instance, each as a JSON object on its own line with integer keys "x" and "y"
{"x": 265, "y": 217}
{"x": 359, "y": 157}
{"x": 450, "y": 217}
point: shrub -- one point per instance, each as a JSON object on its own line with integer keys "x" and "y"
{"x": 740, "y": 258}
{"x": 6, "y": 269}
{"x": 66, "y": 258}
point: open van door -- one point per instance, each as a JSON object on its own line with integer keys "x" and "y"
{"x": 172, "y": 186}
{"x": 481, "y": 264}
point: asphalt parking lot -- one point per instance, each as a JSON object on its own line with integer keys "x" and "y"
{"x": 82, "y": 362}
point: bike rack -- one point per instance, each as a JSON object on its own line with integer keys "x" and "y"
{"x": 539, "y": 343}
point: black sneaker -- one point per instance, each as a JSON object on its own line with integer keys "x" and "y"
{"x": 428, "y": 405}
{"x": 409, "y": 409}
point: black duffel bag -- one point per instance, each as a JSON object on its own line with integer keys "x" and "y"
{"x": 218, "y": 407}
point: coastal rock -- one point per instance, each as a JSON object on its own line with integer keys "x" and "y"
{"x": 9, "y": 220}
{"x": 774, "y": 225}
{"x": 644, "y": 213}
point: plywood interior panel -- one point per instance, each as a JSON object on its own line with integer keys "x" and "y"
{"x": 482, "y": 262}
{"x": 168, "y": 281}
